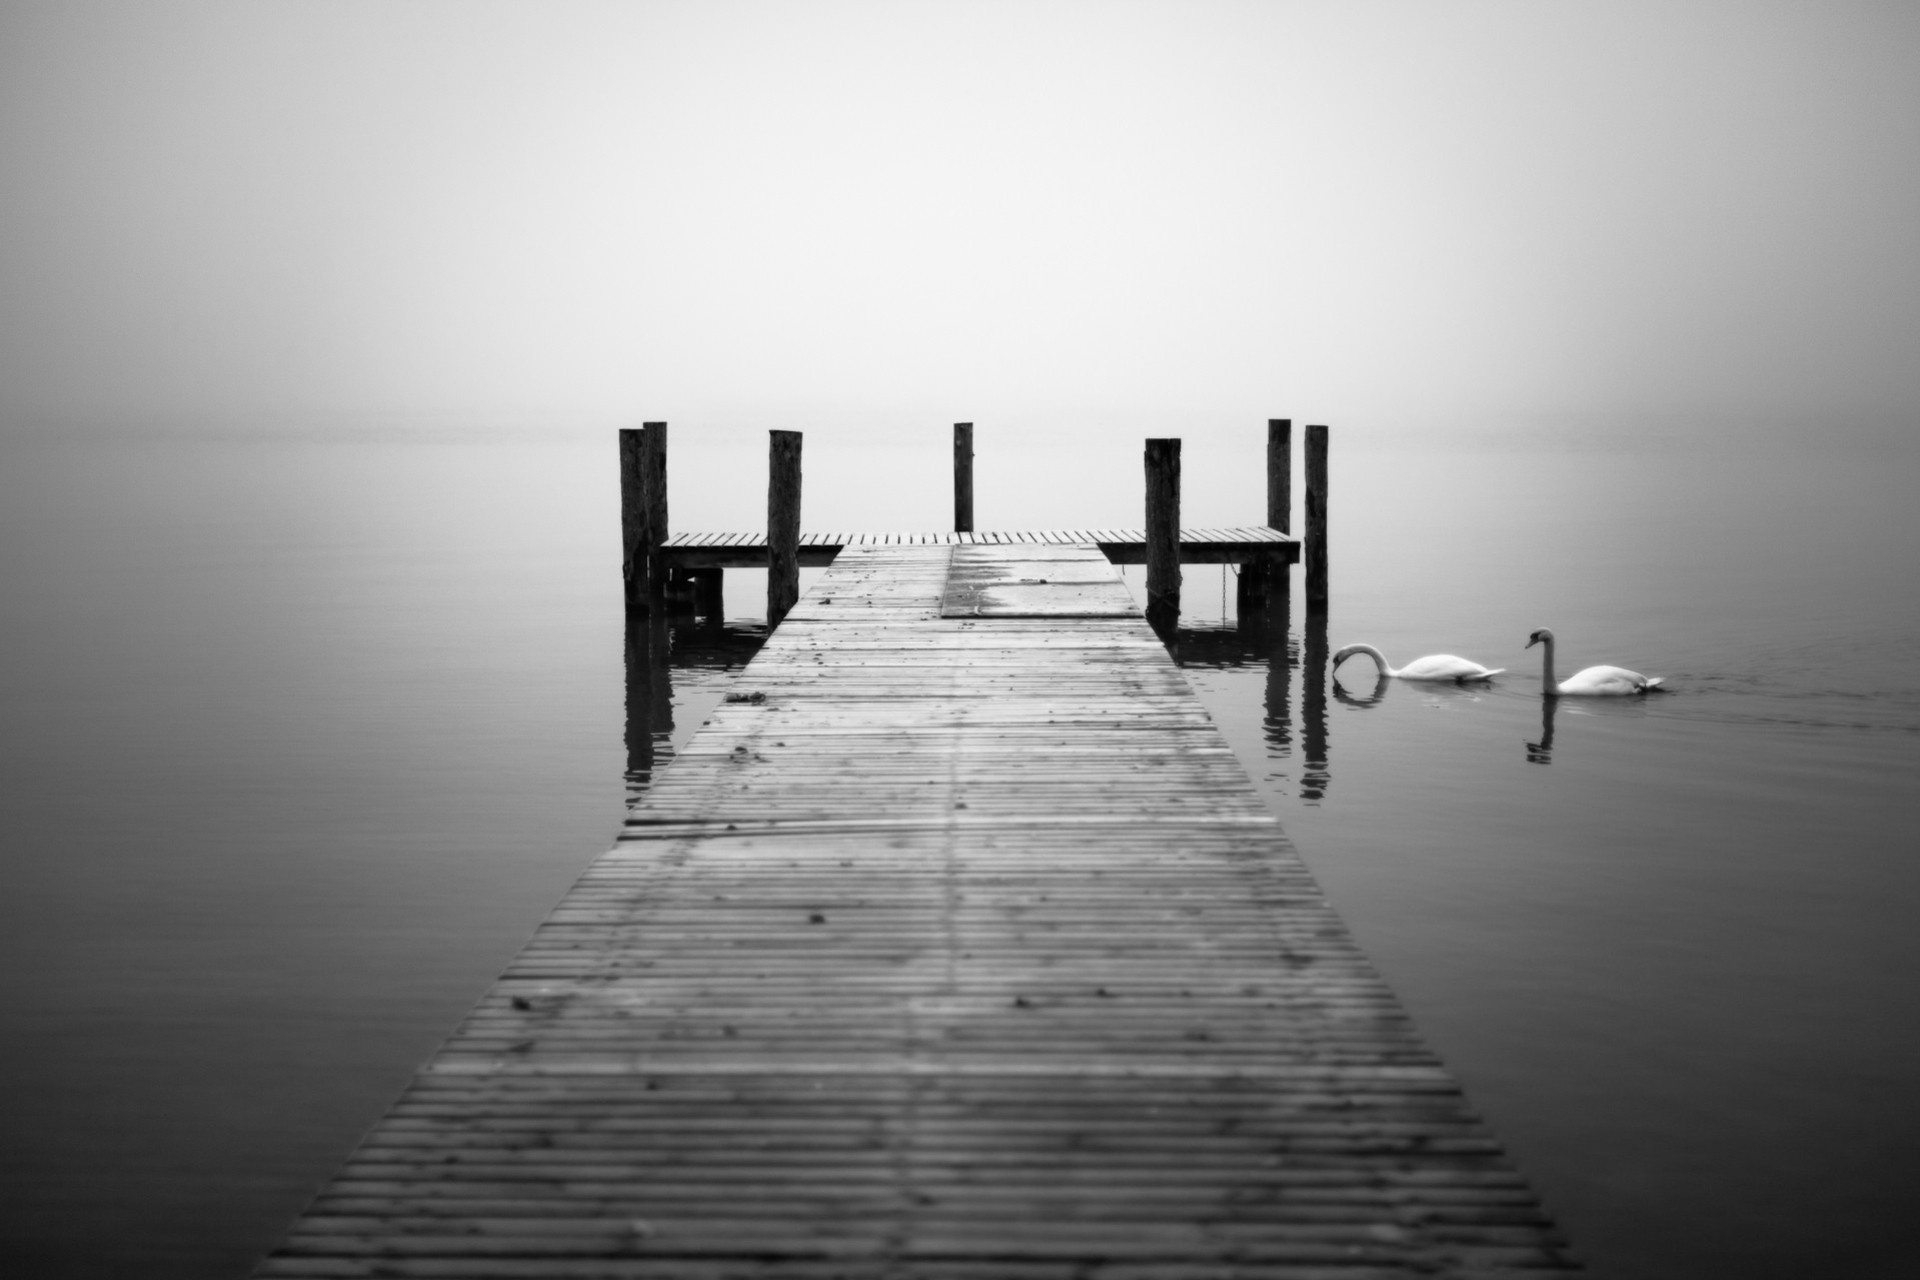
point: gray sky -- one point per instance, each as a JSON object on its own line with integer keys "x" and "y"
{"x": 587, "y": 214}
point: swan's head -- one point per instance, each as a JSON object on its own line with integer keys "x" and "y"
{"x": 1542, "y": 636}
{"x": 1341, "y": 655}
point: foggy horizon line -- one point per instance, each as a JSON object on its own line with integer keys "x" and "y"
{"x": 1558, "y": 431}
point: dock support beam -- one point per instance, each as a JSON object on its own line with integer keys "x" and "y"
{"x": 1316, "y": 542}
{"x": 783, "y": 524}
{"x": 1163, "y": 534}
{"x": 963, "y": 477}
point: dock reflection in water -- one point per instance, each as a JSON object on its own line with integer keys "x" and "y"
{"x": 1262, "y": 637}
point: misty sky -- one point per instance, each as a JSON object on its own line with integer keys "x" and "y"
{"x": 585, "y": 214}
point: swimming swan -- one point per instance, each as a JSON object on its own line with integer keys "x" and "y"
{"x": 1594, "y": 682}
{"x": 1435, "y": 666}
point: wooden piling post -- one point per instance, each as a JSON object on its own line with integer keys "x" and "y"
{"x": 1316, "y": 547}
{"x": 1280, "y": 474}
{"x": 1261, "y": 579}
{"x": 1163, "y": 534}
{"x": 783, "y": 524}
{"x": 633, "y": 518}
{"x": 653, "y": 483}
{"x": 963, "y": 477}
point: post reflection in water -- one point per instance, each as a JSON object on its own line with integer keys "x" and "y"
{"x": 703, "y": 653}
{"x": 649, "y": 696}
{"x": 1316, "y": 776}
{"x": 1264, "y": 636}
{"x": 1541, "y": 752}
{"x": 1270, "y": 635}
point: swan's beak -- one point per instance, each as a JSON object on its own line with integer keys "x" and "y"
{"x": 1532, "y": 641}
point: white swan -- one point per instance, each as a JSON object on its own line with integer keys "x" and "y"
{"x": 1435, "y": 666}
{"x": 1594, "y": 682}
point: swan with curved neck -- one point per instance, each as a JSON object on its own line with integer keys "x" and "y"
{"x": 1594, "y": 682}
{"x": 1435, "y": 666}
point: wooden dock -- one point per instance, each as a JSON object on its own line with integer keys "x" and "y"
{"x": 957, "y": 944}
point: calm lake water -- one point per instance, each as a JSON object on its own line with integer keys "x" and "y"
{"x": 303, "y": 736}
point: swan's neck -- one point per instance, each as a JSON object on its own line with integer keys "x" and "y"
{"x": 1548, "y": 685}
{"x": 1379, "y": 658}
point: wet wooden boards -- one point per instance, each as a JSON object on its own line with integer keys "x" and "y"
{"x": 1033, "y": 582}
{"x": 957, "y": 947}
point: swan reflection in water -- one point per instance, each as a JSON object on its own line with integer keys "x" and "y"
{"x": 1381, "y": 684}
{"x": 1604, "y": 708}
{"x": 1541, "y": 752}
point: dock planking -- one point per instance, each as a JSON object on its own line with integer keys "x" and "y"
{"x": 959, "y": 946}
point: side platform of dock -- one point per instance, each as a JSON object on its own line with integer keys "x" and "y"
{"x": 1252, "y": 544}
{"x": 956, "y": 943}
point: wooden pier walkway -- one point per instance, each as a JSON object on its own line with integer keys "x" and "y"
{"x": 957, "y": 944}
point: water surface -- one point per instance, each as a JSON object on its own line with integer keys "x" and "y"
{"x": 303, "y": 736}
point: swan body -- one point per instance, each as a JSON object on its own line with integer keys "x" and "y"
{"x": 1593, "y": 682}
{"x": 1435, "y": 666}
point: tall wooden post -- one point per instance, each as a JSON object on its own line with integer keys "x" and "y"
{"x": 1260, "y": 580}
{"x": 633, "y": 518}
{"x": 963, "y": 477}
{"x": 653, "y": 483}
{"x": 1316, "y": 548}
{"x": 1280, "y": 474}
{"x": 1163, "y": 534}
{"x": 783, "y": 524}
